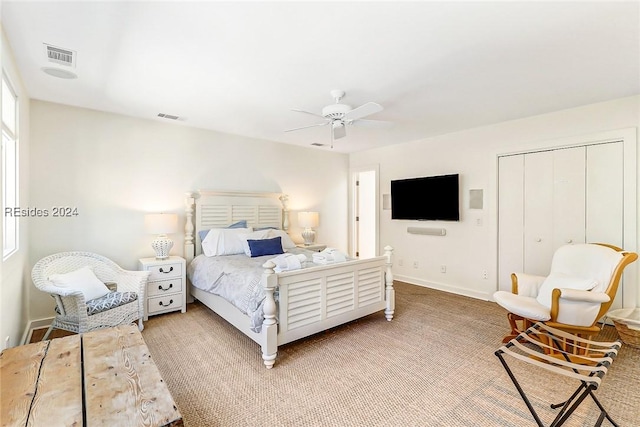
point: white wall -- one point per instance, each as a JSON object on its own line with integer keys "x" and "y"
{"x": 469, "y": 248}
{"x": 15, "y": 271}
{"x": 114, "y": 169}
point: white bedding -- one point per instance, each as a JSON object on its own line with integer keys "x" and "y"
{"x": 236, "y": 278}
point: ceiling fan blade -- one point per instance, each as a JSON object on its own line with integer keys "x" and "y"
{"x": 372, "y": 123}
{"x": 310, "y": 126}
{"x": 339, "y": 131}
{"x": 362, "y": 111}
{"x": 308, "y": 112}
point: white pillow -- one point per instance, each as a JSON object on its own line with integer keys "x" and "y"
{"x": 560, "y": 281}
{"x": 287, "y": 243}
{"x": 224, "y": 241}
{"x": 256, "y": 235}
{"x": 82, "y": 279}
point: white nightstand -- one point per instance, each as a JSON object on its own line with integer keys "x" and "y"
{"x": 167, "y": 285}
{"x": 316, "y": 247}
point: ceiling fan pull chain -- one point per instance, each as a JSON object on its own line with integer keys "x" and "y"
{"x": 331, "y": 132}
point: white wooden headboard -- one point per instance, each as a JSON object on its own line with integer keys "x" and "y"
{"x": 215, "y": 209}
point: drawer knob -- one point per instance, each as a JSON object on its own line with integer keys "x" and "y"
{"x": 165, "y": 272}
{"x": 166, "y": 305}
{"x": 160, "y": 288}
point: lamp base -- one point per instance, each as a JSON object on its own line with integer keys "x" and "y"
{"x": 309, "y": 236}
{"x": 162, "y": 245}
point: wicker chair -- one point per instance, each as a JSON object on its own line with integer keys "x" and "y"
{"x": 71, "y": 309}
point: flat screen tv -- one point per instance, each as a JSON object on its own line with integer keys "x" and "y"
{"x": 426, "y": 198}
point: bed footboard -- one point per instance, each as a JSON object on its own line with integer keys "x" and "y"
{"x": 315, "y": 299}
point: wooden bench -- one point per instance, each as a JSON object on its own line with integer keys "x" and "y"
{"x": 104, "y": 377}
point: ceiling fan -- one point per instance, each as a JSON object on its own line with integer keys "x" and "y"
{"x": 338, "y": 115}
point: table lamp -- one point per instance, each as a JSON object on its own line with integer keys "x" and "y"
{"x": 161, "y": 224}
{"x": 308, "y": 220}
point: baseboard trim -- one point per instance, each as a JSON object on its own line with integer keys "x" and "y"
{"x": 443, "y": 287}
{"x": 35, "y": 324}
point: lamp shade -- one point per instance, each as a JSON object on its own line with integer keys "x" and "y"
{"x": 308, "y": 219}
{"x": 161, "y": 223}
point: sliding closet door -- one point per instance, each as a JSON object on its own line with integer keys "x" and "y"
{"x": 511, "y": 219}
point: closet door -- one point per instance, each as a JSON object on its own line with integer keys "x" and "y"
{"x": 552, "y": 198}
{"x": 568, "y": 196}
{"x": 554, "y": 205}
{"x": 605, "y": 203}
{"x": 605, "y": 193}
{"x": 538, "y": 212}
{"x": 511, "y": 219}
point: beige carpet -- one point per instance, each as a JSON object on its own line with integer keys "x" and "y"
{"x": 433, "y": 365}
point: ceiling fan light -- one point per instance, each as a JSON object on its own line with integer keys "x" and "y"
{"x": 339, "y": 130}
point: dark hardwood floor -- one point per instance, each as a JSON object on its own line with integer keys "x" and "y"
{"x": 56, "y": 333}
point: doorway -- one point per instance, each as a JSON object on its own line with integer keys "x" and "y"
{"x": 364, "y": 217}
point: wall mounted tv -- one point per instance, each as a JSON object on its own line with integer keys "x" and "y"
{"x": 426, "y": 198}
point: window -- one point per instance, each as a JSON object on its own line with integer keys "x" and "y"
{"x": 9, "y": 169}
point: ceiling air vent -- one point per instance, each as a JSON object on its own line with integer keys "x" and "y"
{"x": 61, "y": 56}
{"x": 168, "y": 116}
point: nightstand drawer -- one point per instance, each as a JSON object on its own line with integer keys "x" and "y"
{"x": 163, "y": 303}
{"x": 165, "y": 271}
{"x": 164, "y": 287}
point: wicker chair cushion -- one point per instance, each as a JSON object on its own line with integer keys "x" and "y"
{"x": 109, "y": 301}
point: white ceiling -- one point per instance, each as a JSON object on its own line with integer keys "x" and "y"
{"x": 240, "y": 67}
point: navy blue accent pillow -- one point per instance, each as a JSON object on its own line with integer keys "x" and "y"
{"x": 239, "y": 224}
{"x": 265, "y": 247}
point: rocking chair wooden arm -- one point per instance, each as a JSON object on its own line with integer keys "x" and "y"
{"x": 526, "y": 284}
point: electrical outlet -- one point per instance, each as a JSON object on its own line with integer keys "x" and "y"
{"x": 485, "y": 274}
{"x": 400, "y": 262}
{"x": 7, "y": 342}
{"x": 443, "y": 269}
{"x": 415, "y": 264}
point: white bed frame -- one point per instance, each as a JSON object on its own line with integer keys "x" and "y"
{"x": 311, "y": 300}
